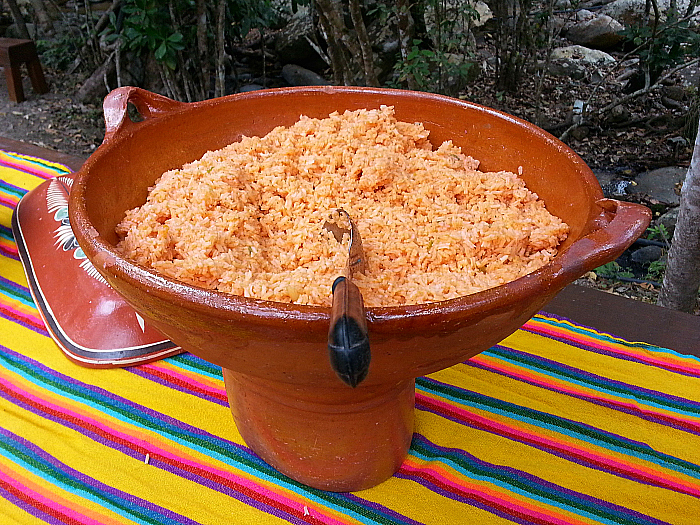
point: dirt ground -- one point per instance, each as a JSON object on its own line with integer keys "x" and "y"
{"x": 52, "y": 120}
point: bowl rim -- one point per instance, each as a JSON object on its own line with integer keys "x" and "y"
{"x": 549, "y": 278}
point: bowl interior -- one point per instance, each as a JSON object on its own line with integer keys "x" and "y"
{"x": 122, "y": 176}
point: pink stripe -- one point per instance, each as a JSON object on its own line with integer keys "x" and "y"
{"x": 610, "y": 463}
{"x": 250, "y": 484}
{"x": 26, "y": 317}
{"x": 257, "y": 488}
{"x": 153, "y": 450}
{"x": 516, "y": 510}
{"x": 217, "y": 392}
{"x": 27, "y": 167}
{"x": 10, "y": 249}
{"x": 48, "y": 503}
{"x": 583, "y": 392}
{"x": 592, "y": 342}
{"x": 9, "y": 202}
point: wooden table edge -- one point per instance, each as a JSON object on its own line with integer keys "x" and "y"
{"x": 26, "y": 148}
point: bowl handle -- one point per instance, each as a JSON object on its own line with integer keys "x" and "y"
{"x": 148, "y": 104}
{"x": 618, "y": 226}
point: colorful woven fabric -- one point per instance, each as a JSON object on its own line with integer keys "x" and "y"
{"x": 556, "y": 424}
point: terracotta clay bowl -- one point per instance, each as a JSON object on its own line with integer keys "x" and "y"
{"x": 287, "y": 402}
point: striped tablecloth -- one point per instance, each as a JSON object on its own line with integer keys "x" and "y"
{"x": 556, "y": 424}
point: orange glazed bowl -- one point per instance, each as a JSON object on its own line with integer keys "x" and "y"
{"x": 287, "y": 402}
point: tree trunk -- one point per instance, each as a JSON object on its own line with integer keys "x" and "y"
{"x": 43, "y": 20}
{"x": 94, "y": 87}
{"x": 203, "y": 47}
{"x": 344, "y": 43}
{"x": 19, "y": 20}
{"x": 220, "y": 85}
{"x": 365, "y": 45}
{"x": 682, "y": 277}
{"x": 407, "y": 33}
{"x": 335, "y": 51}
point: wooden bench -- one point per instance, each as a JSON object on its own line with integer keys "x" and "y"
{"x": 13, "y": 53}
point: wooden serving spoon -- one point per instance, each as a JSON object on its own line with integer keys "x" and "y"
{"x": 348, "y": 338}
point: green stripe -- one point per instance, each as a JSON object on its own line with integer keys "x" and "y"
{"x": 567, "y": 427}
{"x": 525, "y": 484}
{"x": 48, "y": 169}
{"x": 216, "y": 447}
{"x": 8, "y": 189}
{"x": 14, "y": 291}
{"x": 32, "y": 462}
{"x": 596, "y": 382}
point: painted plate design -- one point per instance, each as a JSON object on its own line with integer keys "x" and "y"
{"x": 89, "y": 321}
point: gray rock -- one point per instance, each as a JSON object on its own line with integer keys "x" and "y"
{"x": 566, "y": 67}
{"x": 250, "y": 87}
{"x": 300, "y": 76}
{"x": 632, "y": 11}
{"x": 617, "y": 115}
{"x": 647, "y": 254}
{"x": 604, "y": 177}
{"x": 675, "y": 92}
{"x": 13, "y": 31}
{"x": 668, "y": 220}
{"x": 662, "y": 184}
{"x": 582, "y": 54}
{"x": 296, "y": 42}
{"x": 596, "y": 31}
{"x": 573, "y": 61}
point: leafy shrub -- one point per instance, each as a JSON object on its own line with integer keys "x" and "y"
{"x": 60, "y": 52}
{"x": 613, "y": 270}
{"x": 441, "y": 55}
{"x": 663, "y": 43}
{"x": 656, "y": 270}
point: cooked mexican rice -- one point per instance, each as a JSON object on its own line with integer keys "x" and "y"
{"x": 248, "y": 219}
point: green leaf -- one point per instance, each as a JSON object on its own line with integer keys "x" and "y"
{"x": 161, "y": 51}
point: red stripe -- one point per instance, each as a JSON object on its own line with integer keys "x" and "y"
{"x": 212, "y": 476}
{"x": 548, "y": 445}
{"x": 23, "y": 319}
{"x": 521, "y": 513}
{"x": 29, "y": 501}
{"x": 185, "y": 385}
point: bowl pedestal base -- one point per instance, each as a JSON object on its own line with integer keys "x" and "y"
{"x": 337, "y": 439}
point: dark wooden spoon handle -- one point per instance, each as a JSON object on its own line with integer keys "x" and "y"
{"x": 348, "y": 339}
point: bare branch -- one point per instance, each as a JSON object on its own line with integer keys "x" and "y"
{"x": 630, "y": 96}
{"x": 365, "y": 46}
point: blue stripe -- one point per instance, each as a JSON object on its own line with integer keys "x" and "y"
{"x": 14, "y": 291}
{"x": 57, "y": 169}
{"x": 11, "y": 189}
{"x": 567, "y": 427}
{"x": 526, "y": 485}
{"x": 120, "y": 503}
{"x": 194, "y": 364}
{"x": 227, "y": 452}
{"x": 559, "y": 324}
{"x": 594, "y": 382}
